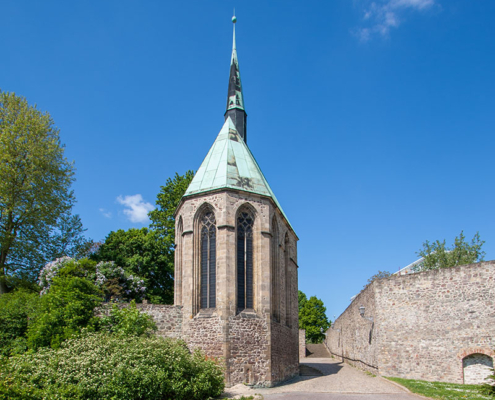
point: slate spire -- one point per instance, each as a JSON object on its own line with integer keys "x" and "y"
{"x": 235, "y": 100}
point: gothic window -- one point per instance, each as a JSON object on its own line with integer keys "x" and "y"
{"x": 245, "y": 222}
{"x": 275, "y": 273}
{"x": 208, "y": 235}
{"x": 178, "y": 263}
{"x": 288, "y": 305}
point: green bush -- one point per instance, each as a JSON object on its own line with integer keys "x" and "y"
{"x": 489, "y": 387}
{"x": 128, "y": 321}
{"x": 64, "y": 311}
{"x": 100, "y": 366}
{"x": 18, "y": 308}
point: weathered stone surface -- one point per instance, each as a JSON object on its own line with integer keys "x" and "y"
{"x": 424, "y": 325}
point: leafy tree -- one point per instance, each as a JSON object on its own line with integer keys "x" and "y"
{"x": 302, "y": 299}
{"x": 142, "y": 252}
{"x": 378, "y": 275}
{"x": 64, "y": 311}
{"x": 437, "y": 255}
{"x": 35, "y": 195}
{"x": 312, "y": 318}
{"x": 18, "y": 307}
{"x": 162, "y": 217}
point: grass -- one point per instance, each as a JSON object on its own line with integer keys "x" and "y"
{"x": 442, "y": 390}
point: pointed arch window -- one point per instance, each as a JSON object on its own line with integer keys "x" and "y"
{"x": 275, "y": 273}
{"x": 245, "y": 223}
{"x": 208, "y": 257}
{"x": 288, "y": 305}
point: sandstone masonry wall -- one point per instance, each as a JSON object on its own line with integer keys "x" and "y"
{"x": 352, "y": 338}
{"x": 425, "y": 324}
{"x": 302, "y": 343}
{"x": 285, "y": 352}
{"x": 168, "y": 318}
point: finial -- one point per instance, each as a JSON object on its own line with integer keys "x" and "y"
{"x": 234, "y": 19}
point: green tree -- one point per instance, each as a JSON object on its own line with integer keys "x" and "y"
{"x": 144, "y": 253}
{"x": 18, "y": 308}
{"x": 302, "y": 299}
{"x": 378, "y": 275}
{"x": 35, "y": 195}
{"x": 64, "y": 311}
{"x": 312, "y": 318}
{"x": 437, "y": 255}
{"x": 167, "y": 201}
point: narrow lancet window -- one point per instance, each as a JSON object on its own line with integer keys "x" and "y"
{"x": 208, "y": 260}
{"x": 245, "y": 261}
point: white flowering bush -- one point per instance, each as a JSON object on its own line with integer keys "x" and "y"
{"x": 101, "y": 366}
{"x": 50, "y": 271}
{"x": 114, "y": 281}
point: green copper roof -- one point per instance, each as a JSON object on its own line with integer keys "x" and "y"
{"x": 230, "y": 164}
{"x": 235, "y": 98}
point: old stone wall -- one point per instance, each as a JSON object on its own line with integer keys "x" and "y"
{"x": 249, "y": 350}
{"x": 352, "y": 338}
{"x": 302, "y": 343}
{"x": 204, "y": 333}
{"x": 431, "y": 320}
{"x": 424, "y": 325}
{"x": 285, "y": 350}
{"x": 168, "y": 318}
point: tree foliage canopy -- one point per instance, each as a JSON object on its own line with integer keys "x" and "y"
{"x": 312, "y": 318}
{"x": 378, "y": 275}
{"x": 142, "y": 252}
{"x": 35, "y": 195}
{"x": 437, "y": 255}
{"x": 167, "y": 201}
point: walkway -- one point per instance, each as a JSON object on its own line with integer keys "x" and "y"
{"x": 336, "y": 381}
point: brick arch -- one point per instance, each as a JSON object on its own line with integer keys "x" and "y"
{"x": 475, "y": 350}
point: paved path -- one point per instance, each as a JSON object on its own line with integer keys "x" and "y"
{"x": 338, "y": 382}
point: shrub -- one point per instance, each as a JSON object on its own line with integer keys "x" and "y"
{"x": 113, "y": 280}
{"x": 17, "y": 309}
{"x": 101, "y": 366}
{"x": 128, "y": 321}
{"x": 489, "y": 387}
{"x": 64, "y": 311}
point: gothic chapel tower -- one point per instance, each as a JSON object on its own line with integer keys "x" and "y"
{"x": 236, "y": 259}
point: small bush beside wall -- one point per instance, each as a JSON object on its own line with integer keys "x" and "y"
{"x": 102, "y": 366}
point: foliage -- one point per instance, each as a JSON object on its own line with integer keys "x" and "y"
{"x": 489, "y": 387}
{"x": 35, "y": 195}
{"x": 442, "y": 390}
{"x": 101, "y": 366}
{"x": 313, "y": 319}
{"x": 18, "y": 308}
{"x": 302, "y": 299}
{"x": 378, "y": 275}
{"x": 142, "y": 252}
{"x": 162, "y": 217}
{"x": 128, "y": 321}
{"x": 64, "y": 311}
{"x": 436, "y": 255}
{"x": 109, "y": 277}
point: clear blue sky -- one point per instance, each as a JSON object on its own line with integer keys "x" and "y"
{"x": 373, "y": 122}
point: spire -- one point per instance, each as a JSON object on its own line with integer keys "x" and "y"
{"x": 235, "y": 100}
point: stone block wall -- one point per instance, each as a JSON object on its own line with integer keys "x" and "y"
{"x": 425, "y": 324}
{"x": 168, "y": 318}
{"x": 352, "y": 338}
{"x": 302, "y": 343}
{"x": 285, "y": 352}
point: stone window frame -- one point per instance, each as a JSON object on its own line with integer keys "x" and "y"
{"x": 196, "y": 295}
{"x": 275, "y": 271}
{"x": 247, "y": 207}
{"x": 471, "y": 351}
{"x": 178, "y": 261}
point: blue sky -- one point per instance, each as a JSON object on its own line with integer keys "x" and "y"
{"x": 373, "y": 121}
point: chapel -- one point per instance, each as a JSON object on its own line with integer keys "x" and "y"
{"x": 236, "y": 259}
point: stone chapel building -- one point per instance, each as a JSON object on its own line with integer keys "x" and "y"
{"x": 236, "y": 259}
